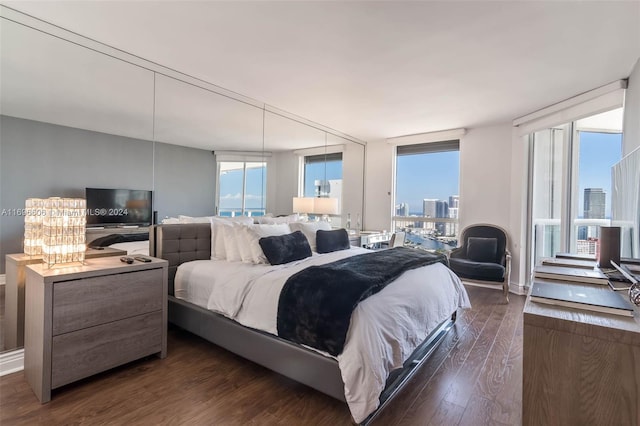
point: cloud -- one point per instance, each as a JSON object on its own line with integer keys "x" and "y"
{"x": 238, "y": 196}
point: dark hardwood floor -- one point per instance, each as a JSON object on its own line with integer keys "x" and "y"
{"x": 473, "y": 378}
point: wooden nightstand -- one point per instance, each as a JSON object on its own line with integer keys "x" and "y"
{"x": 84, "y": 319}
{"x": 14, "y": 291}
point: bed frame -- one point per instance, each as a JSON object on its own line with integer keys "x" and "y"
{"x": 186, "y": 242}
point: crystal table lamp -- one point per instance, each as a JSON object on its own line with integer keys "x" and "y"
{"x": 34, "y": 212}
{"x": 63, "y": 230}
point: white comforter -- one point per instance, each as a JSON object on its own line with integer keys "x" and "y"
{"x": 385, "y": 328}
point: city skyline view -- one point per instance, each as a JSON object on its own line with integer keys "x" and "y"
{"x": 426, "y": 176}
{"x": 598, "y": 153}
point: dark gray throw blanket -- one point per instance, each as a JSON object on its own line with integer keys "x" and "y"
{"x": 316, "y": 303}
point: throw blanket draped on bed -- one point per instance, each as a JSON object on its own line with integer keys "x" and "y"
{"x": 315, "y": 304}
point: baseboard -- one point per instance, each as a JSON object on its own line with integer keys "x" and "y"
{"x": 517, "y": 288}
{"x": 514, "y": 288}
{"x": 3, "y": 279}
{"x": 11, "y": 362}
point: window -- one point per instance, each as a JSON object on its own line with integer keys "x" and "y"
{"x": 571, "y": 183}
{"x": 241, "y": 188}
{"x": 323, "y": 175}
{"x": 426, "y": 196}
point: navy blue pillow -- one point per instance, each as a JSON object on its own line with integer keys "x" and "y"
{"x": 286, "y": 248}
{"x": 482, "y": 249}
{"x": 328, "y": 241}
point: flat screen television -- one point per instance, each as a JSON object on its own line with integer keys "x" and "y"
{"x": 118, "y": 207}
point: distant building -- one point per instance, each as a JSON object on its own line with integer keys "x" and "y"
{"x": 402, "y": 209}
{"x": 442, "y": 210}
{"x": 435, "y": 208}
{"x": 452, "y": 228}
{"x": 454, "y": 201}
{"x": 429, "y": 210}
{"x": 583, "y": 232}
{"x": 594, "y": 203}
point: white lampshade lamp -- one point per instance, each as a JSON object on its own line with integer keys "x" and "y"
{"x": 325, "y": 207}
{"x": 63, "y": 230}
{"x": 303, "y": 205}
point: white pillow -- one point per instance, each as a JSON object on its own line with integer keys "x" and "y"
{"x": 170, "y": 221}
{"x": 232, "y": 241}
{"x": 218, "y": 249}
{"x": 255, "y": 232}
{"x": 277, "y": 220}
{"x": 244, "y": 243}
{"x": 309, "y": 230}
{"x": 189, "y": 219}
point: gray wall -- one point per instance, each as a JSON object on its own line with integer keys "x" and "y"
{"x": 45, "y": 160}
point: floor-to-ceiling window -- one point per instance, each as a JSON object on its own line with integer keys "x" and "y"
{"x": 241, "y": 188}
{"x": 323, "y": 175}
{"x": 426, "y": 197}
{"x": 549, "y": 155}
{"x": 570, "y": 172}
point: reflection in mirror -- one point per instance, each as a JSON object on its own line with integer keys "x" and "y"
{"x": 68, "y": 106}
{"x": 64, "y": 107}
{"x": 51, "y": 80}
{"x": 299, "y": 153}
{"x": 192, "y": 116}
{"x": 282, "y": 136}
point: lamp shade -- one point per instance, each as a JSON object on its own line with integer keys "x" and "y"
{"x": 325, "y": 206}
{"x": 303, "y": 204}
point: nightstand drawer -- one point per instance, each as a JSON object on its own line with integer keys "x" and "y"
{"x": 85, "y": 352}
{"x": 88, "y": 302}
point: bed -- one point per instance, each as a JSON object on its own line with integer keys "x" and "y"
{"x": 372, "y": 367}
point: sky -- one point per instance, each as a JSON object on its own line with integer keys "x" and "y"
{"x": 421, "y": 176}
{"x": 598, "y": 152}
{"x": 317, "y": 171}
{"x": 231, "y": 184}
{"x": 231, "y": 189}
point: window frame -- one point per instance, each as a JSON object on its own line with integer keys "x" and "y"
{"x": 569, "y": 192}
{"x": 433, "y": 147}
{"x": 244, "y": 162}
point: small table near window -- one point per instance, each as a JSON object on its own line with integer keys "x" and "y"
{"x": 374, "y": 239}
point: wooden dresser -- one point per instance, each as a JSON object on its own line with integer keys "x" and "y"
{"x": 580, "y": 367}
{"x": 14, "y": 291}
{"x": 84, "y": 319}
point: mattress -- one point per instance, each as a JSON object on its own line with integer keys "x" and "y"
{"x": 410, "y": 307}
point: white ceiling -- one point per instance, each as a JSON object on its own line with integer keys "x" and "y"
{"x": 375, "y": 69}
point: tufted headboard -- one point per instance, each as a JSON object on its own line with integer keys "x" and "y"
{"x": 180, "y": 243}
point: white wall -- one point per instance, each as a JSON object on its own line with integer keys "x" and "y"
{"x": 493, "y": 177}
{"x": 631, "y": 136}
{"x": 485, "y": 175}
{"x": 282, "y": 189}
{"x": 353, "y": 158}
{"x": 378, "y": 201}
{"x": 493, "y": 186}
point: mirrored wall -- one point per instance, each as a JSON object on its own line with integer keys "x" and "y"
{"x": 79, "y": 114}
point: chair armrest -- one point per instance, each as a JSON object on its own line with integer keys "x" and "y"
{"x": 458, "y": 252}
